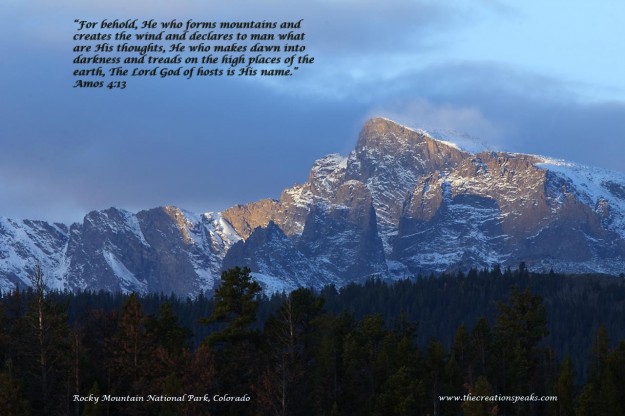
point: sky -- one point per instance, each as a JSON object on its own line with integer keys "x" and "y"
{"x": 534, "y": 77}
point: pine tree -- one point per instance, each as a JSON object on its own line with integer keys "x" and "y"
{"x": 289, "y": 337}
{"x": 480, "y": 408}
{"x": 435, "y": 373}
{"x": 92, "y": 408}
{"x": 236, "y": 343}
{"x": 46, "y": 343}
{"x": 200, "y": 378}
{"x": 236, "y": 305}
{"x": 519, "y": 329}
{"x": 599, "y": 354}
{"x": 461, "y": 351}
{"x": 481, "y": 346}
{"x": 12, "y": 401}
{"x": 611, "y": 392}
{"x": 564, "y": 390}
{"x": 131, "y": 349}
{"x": 131, "y": 340}
{"x": 329, "y": 370}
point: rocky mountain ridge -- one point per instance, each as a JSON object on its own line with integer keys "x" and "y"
{"x": 402, "y": 203}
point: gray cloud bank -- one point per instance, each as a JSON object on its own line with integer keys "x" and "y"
{"x": 206, "y": 145}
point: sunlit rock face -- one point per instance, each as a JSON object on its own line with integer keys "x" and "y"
{"x": 400, "y": 204}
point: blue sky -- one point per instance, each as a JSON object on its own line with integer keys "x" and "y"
{"x": 535, "y": 77}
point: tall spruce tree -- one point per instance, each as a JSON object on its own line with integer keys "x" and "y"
{"x": 236, "y": 305}
{"x": 46, "y": 345}
{"x": 289, "y": 336}
{"x": 564, "y": 389}
{"x": 236, "y": 343}
{"x": 519, "y": 329}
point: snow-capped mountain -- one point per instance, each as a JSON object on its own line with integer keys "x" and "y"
{"x": 402, "y": 203}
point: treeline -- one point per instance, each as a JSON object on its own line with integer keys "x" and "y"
{"x": 373, "y": 349}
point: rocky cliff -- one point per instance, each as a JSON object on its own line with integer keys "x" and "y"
{"x": 400, "y": 204}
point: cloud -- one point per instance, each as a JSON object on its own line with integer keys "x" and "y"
{"x": 420, "y": 113}
{"x": 511, "y": 109}
{"x": 207, "y": 147}
{"x": 208, "y": 144}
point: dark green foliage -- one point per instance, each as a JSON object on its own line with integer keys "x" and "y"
{"x": 12, "y": 400}
{"x": 92, "y": 408}
{"x": 43, "y": 345}
{"x": 604, "y": 394}
{"x": 236, "y": 343}
{"x": 290, "y": 337}
{"x": 565, "y": 389}
{"x": 236, "y": 304}
{"x": 519, "y": 328}
{"x": 480, "y": 408}
{"x": 374, "y": 349}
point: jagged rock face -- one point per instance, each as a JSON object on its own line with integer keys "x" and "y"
{"x": 390, "y": 159}
{"x": 291, "y": 211}
{"x": 159, "y": 250}
{"x": 341, "y": 237}
{"x": 269, "y": 252}
{"x": 246, "y": 218}
{"x": 400, "y": 204}
{"x": 423, "y": 245}
{"x": 23, "y": 243}
{"x": 330, "y": 221}
{"x": 106, "y": 250}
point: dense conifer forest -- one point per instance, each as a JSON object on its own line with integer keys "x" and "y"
{"x": 413, "y": 347}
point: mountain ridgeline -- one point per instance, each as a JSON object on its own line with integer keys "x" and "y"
{"x": 402, "y": 203}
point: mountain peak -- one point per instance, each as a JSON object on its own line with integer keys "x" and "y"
{"x": 403, "y": 202}
{"x": 382, "y": 132}
{"x": 390, "y": 137}
{"x": 381, "y": 125}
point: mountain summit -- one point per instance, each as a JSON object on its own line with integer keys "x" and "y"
{"x": 400, "y": 204}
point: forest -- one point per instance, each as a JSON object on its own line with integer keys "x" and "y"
{"x": 378, "y": 348}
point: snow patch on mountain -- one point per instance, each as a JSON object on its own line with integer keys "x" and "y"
{"x": 221, "y": 230}
{"x": 459, "y": 140}
{"x": 131, "y": 223}
{"x": 301, "y": 196}
{"x": 272, "y": 284}
{"x": 404, "y": 201}
{"x": 23, "y": 243}
{"x": 128, "y": 281}
{"x": 596, "y": 187}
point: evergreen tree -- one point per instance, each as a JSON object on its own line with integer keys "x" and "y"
{"x": 236, "y": 305}
{"x": 480, "y": 408}
{"x": 100, "y": 342}
{"x": 92, "y": 408}
{"x": 289, "y": 335}
{"x": 168, "y": 356}
{"x": 435, "y": 373}
{"x": 481, "y": 346}
{"x": 564, "y": 390}
{"x": 404, "y": 394}
{"x": 328, "y": 375}
{"x": 236, "y": 343}
{"x": 200, "y": 378}
{"x": 461, "y": 352}
{"x": 131, "y": 357}
{"x": 519, "y": 329}
{"x": 599, "y": 354}
{"x": 611, "y": 392}
{"x": 12, "y": 400}
{"x": 131, "y": 339}
{"x": 45, "y": 344}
